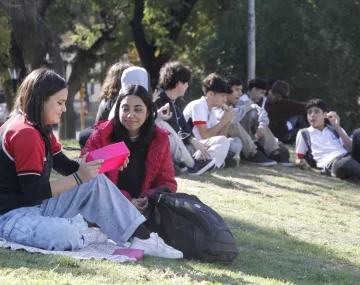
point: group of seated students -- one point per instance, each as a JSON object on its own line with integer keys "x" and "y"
{"x": 209, "y": 133}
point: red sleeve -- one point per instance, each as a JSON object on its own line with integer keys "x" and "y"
{"x": 27, "y": 149}
{"x": 55, "y": 145}
{"x": 165, "y": 175}
{"x": 126, "y": 194}
{"x": 199, "y": 123}
{"x": 93, "y": 143}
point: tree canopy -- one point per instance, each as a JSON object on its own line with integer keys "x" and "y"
{"x": 312, "y": 44}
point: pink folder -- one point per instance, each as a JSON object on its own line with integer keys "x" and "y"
{"x": 130, "y": 252}
{"x": 114, "y": 156}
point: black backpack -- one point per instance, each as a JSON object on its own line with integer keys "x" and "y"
{"x": 188, "y": 225}
{"x": 308, "y": 156}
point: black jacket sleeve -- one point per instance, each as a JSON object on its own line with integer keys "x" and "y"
{"x": 177, "y": 121}
{"x": 104, "y": 109}
{"x": 63, "y": 165}
{"x": 35, "y": 189}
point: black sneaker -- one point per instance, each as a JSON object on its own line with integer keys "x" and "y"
{"x": 281, "y": 159}
{"x": 260, "y": 159}
{"x": 201, "y": 166}
{"x": 183, "y": 167}
{"x": 230, "y": 160}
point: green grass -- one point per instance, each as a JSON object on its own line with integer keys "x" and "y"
{"x": 292, "y": 227}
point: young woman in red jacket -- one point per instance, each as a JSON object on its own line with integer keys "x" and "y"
{"x": 150, "y": 162}
{"x": 41, "y": 213}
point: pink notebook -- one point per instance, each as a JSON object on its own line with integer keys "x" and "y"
{"x": 130, "y": 252}
{"x": 114, "y": 156}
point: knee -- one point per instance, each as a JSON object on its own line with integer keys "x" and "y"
{"x": 84, "y": 136}
{"x": 284, "y": 151}
{"x": 224, "y": 142}
{"x": 253, "y": 115}
{"x": 61, "y": 235}
{"x": 338, "y": 171}
{"x": 70, "y": 240}
{"x": 356, "y": 135}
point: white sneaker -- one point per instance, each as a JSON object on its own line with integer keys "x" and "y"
{"x": 93, "y": 236}
{"x": 155, "y": 246}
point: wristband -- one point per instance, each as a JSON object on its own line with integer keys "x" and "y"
{"x": 77, "y": 178}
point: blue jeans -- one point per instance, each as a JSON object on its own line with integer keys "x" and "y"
{"x": 56, "y": 224}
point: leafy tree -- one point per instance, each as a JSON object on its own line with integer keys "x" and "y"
{"x": 310, "y": 44}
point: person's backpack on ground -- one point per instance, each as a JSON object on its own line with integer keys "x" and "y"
{"x": 192, "y": 227}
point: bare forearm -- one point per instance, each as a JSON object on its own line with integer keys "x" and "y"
{"x": 215, "y": 130}
{"x": 346, "y": 140}
{"x": 62, "y": 185}
{"x": 224, "y": 131}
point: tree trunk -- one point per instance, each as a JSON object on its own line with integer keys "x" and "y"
{"x": 16, "y": 55}
{"x": 9, "y": 98}
{"x": 83, "y": 61}
{"x": 147, "y": 50}
{"x": 67, "y": 127}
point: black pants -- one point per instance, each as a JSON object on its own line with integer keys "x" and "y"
{"x": 349, "y": 166}
{"x": 84, "y": 135}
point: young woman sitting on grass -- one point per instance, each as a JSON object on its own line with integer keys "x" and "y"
{"x": 41, "y": 213}
{"x": 150, "y": 163}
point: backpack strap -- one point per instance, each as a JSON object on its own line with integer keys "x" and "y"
{"x": 308, "y": 156}
{"x": 306, "y": 136}
{"x": 332, "y": 129}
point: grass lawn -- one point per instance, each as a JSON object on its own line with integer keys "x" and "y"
{"x": 292, "y": 227}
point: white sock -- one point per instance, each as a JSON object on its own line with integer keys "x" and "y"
{"x": 190, "y": 163}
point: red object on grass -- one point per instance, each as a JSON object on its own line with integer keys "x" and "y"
{"x": 130, "y": 252}
{"x": 114, "y": 156}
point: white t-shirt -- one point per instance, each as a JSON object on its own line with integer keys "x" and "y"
{"x": 325, "y": 146}
{"x": 197, "y": 113}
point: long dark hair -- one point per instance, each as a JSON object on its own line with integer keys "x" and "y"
{"x": 112, "y": 82}
{"x": 147, "y": 130}
{"x": 36, "y": 88}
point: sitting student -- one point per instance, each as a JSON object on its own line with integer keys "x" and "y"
{"x": 331, "y": 148}
{"x": 37, "y": 212}
{"x": 201, "y": 116}
{"x": 249, "y": 149}
{"x": 150, "y": 164}
{"x": 173, "y": 82}
{"x": 133, "y": 75}
{"x": 137, "y": 75}
{"x": 109, "y": 93}
{"x": 110, "y": 90}
{"x": 286, "y": 116}
{"x": 256, "y": 122}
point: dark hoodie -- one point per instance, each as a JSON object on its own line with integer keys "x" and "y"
{"x": 280, "y": 112}
{"x": 177, "y": 120}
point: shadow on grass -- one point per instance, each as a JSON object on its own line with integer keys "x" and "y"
{"x": 60, "y": 264}
{"x": 311, "y": 178}
{"x": 263, "y": 253}
{"x": 223, "y": 178}
{"x": 276, "y": 255}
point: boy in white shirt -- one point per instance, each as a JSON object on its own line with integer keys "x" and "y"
{"x": 330, "y": 146}
{"x": 256, "y": 122}
{"x": 201, "y": 117}
{"x": 250, "y": 151}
